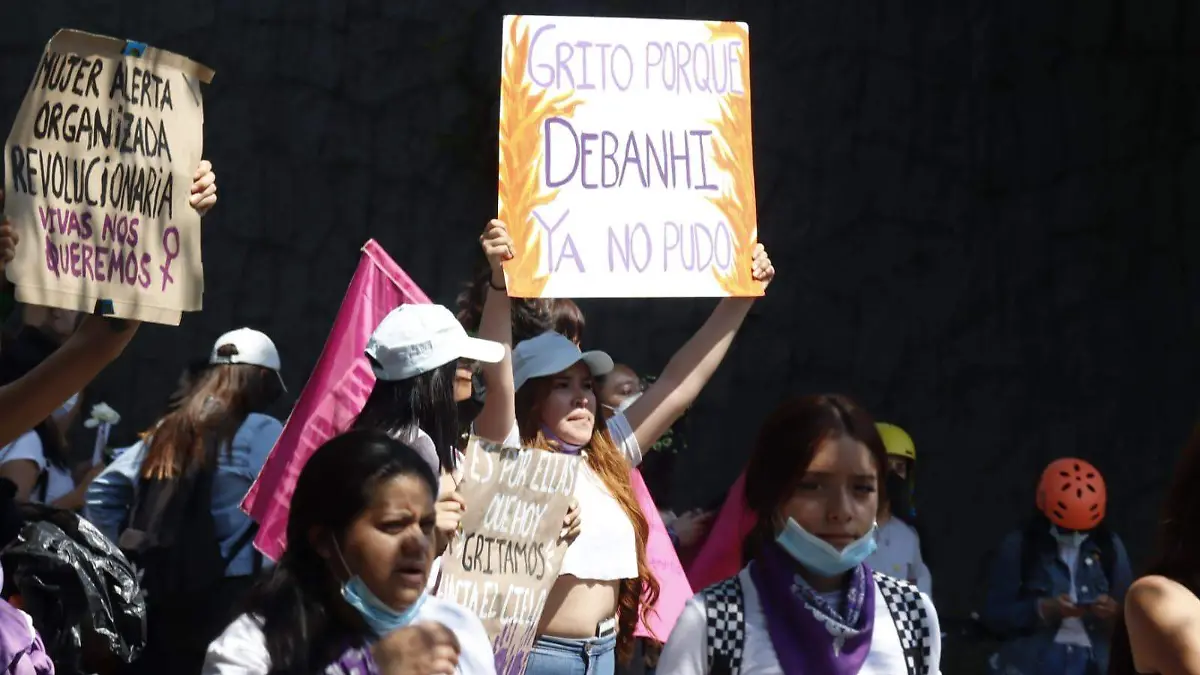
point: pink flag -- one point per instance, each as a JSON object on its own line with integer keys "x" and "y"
{"x": 721, "y": 555}
{"x": 673, "y": 588}
{"x": 335, "y": 393}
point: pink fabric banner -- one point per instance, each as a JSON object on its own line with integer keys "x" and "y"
{"x": 721, "y": 555}
{"x": 673, "y": 588}
{"x": 335, "y": 392}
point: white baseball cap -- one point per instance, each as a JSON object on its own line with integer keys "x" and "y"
{"x": 250, "y": 347}
{"x": 551, "y": 353}
{"x": 415, "y": 339}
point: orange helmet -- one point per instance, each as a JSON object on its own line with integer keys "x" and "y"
{"x": 1072, "y": 494}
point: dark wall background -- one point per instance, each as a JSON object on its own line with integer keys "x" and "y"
{"x": 984, "y": 217}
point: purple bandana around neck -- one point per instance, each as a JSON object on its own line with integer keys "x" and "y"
{"x": 808, "y": 635}
{"x": 356, "y": 660}
{"x": 563, "y": 446}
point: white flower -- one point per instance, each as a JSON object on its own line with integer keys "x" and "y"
{"x": 102, "y": 414}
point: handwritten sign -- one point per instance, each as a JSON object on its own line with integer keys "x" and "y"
{"x": 626, "y": 157}
{"x": 98, "y": 172}
{"x": 508, "y": 556}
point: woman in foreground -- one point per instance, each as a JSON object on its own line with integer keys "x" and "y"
{"x": 806, "y": 603}
{"x": 1160, "y": 631}
{"x": 349, "y": 591}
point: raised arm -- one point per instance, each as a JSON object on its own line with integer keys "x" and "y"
{"x": 64, "y": 373}
{"x": 694, "y": 364}
{"x": 98, "y": 341}
{"x": 499, "y": 412}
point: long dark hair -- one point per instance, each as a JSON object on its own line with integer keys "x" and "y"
{"x": 425, "y": 401}
{"x": 1177, "y": 551}
{"x": 214, "y": 408}
{"x": 20, "y": 353}
{"x": 295, "y": 599}
{"x": 786, "y": 444}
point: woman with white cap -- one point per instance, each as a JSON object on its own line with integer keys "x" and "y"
{"x": 215, "y": 440}
{"x": 605, "y": 584}
{"x": 414, "y": 354}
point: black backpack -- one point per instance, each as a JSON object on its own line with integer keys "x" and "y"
{"x": 82, "y": 594}
{"x": 171, "y": 536}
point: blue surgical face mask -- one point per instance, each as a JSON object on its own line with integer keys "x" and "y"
{"x": 380, "y": 618}
{"x": 819, "y": 556}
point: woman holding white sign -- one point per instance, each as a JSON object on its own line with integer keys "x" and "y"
{"x": 605, "y": 584}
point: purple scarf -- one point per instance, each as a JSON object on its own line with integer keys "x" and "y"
{"x": 353, "y": 661}
{"x": 810, "y": 636}
{"x": 21, "y": 648}
{"x": 563, "y": 446}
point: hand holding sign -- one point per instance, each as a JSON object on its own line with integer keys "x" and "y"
{"x": 8, "y": 239}
{"x": 204, "y": 188}
{"x": 571, "y": 522}
{"x": 763, "y": 271}
{"x": 450, "y": 508}
{"x": 498, "y": 247}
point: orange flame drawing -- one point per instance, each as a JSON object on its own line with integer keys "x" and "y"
{"x": 733, "y": 150}
{"x": 521, "y": 115}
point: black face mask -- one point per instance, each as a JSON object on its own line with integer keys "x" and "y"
{"x": 900, "y": 494}
{"x": 469, "y": 408}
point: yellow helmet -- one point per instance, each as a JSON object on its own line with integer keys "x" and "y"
{"x": 897, "y": 441}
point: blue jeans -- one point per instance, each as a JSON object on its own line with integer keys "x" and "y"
{"x": 564, "y": 656}
{"x": 1068, "y": 660}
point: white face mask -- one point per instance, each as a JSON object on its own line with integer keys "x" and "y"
{"x": 1068, "y": 539}
{"x": 628, "y": 401}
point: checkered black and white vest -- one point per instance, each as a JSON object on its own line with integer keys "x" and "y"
{"x": 726, "y": 619}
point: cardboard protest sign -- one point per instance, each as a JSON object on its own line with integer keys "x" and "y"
{"x": 98, "y": 172}
{"x": 508, "y": 555}
{"x": 626, "y": 157}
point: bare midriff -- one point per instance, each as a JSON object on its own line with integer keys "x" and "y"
{"x": 576, "y": 606}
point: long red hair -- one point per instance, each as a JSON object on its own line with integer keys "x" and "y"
{"x": 636, "y": 596}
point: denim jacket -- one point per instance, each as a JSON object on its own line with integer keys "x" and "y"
{"x": 1012, "y": 611}
{"x": 111, "y": 495}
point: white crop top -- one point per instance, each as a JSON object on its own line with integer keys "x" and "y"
{"x": 607, "y": 545}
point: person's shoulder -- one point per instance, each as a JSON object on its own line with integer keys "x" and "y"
{"x": 261, "y": 422}
{"x": 907, "y": 531}
{"x": 244, "y": 627}
{"x": 450, "y": 614}
{"x": 476, "y": 647}
{"x": 240, "y": 648}
{"x": 1161, "y": 600}
{"x": 27, "y": 446}
{"x": 1163, "y": 620}
{"x": 894, "y": 589}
